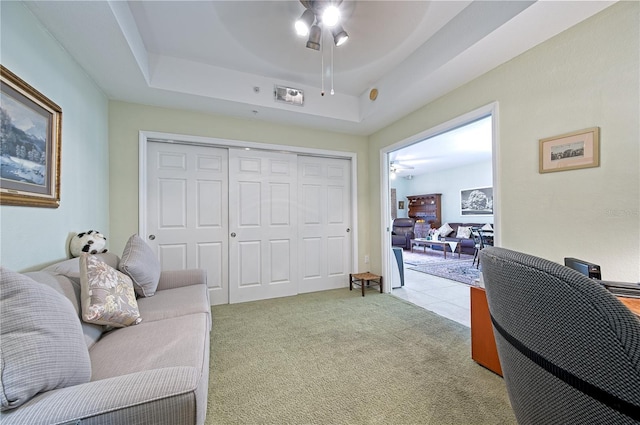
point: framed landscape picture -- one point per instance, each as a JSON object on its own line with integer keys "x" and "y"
{"x": 476, "y": 201}
{"x": 571, "y": 151}
{"x": 30, "y": 145}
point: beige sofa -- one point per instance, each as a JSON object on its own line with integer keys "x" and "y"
{"x": 56, "y": 371}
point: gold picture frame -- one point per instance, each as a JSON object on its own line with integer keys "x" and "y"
{"x": 30, "y": 148}
{"x": 571, "y": 151}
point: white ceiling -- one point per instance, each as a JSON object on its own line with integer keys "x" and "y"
{"x": 468, "y": 144}
{"x": 225, "y": 57}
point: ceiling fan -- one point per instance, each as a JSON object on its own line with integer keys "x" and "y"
{"x": 395, "y": 166}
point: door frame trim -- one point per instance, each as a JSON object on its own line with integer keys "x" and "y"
{"x": 145, "y": 136}
{"x": 488, "y": 110}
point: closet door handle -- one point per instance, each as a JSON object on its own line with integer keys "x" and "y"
{"x": 348, "y": 230}
{"x": 152, "y": 237}
{"x": 233, "y": 234}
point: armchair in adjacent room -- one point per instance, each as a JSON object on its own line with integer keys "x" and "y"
{"x": 402, "y": 232}
{"x": 569, "y": 350}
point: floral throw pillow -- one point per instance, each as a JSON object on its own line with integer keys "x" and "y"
{"x": 107, "y": 295}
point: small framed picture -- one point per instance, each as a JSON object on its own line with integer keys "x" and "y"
{"x": 30, "y": 151}
{"x": 571, "y": 151}
{"x": 400, "y": 205}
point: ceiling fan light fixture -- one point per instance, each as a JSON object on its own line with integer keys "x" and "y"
{"x": 330, "y": 16}
{"x": 303, "y": 24}
{"x": 340, "y": 36}
{"x": 314, "y": 38}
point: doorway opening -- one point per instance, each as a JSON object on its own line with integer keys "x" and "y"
{"x": 440, "y": 167}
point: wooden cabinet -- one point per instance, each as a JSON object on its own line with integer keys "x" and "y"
{"x": 427, "y": 208}
{"x": 483, "y": 343}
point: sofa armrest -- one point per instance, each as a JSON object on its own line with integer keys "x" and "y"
{"x": 177, "y": 278}
{"x": 158, "y": 395}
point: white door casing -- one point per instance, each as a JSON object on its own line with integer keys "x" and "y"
{"x": 263, "y": 253}
{"x": 187, "y": 211}
{"x": 324, "y": 196}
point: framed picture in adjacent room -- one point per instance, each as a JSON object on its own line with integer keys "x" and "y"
{"x": 477, "y": 201}
{"x": 30, "y": 148}
{"x": 571, "y": 151}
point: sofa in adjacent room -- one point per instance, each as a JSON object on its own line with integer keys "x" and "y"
{"x": 150, "y": 365}
{"x": 465, "y": 239}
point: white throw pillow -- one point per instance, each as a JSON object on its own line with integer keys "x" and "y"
{"x": 445, "y": 229}
{"x": 487, "y": 227}
{"x": 463, "y": 232}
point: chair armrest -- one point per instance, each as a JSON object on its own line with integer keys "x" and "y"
{"x": 139, "y": 394}
{"x": 178, "y": 278}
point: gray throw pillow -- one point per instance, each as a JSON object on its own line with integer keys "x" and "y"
{"x": 141, "y": 265}
{"x": 43, "y": 346}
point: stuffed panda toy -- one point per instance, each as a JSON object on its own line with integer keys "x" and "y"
{"x": 92, "y": 242}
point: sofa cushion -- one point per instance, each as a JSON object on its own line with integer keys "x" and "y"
{"x": 107, "y": 295}
{"x": 141, "y": 265}
{"x": 180, "y": 341}
{"x": 43, "y": 347}
{"x": 70, "y": 288}
{"x": 71, "y": 267}
{"x": 175, "y": 302}
{"x": 445, "y": 229}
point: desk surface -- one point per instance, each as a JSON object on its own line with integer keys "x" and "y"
{"x": 632, "y": 303}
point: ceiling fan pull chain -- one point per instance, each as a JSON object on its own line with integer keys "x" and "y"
{"x": 332, "y": 92}
{"x": 322, "y": 63}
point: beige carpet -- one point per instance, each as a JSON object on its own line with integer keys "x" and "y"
{"x": 334, "y": 357}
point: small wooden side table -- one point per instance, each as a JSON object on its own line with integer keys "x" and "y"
{"x": 365, "y": 279}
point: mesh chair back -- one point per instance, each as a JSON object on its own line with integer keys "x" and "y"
{"x": 569, "y": 350}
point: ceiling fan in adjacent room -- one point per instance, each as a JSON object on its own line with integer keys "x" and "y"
{"x": 395, "y": 166}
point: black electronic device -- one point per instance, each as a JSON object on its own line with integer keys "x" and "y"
{"x": 590, "y": 270}
{"x": 621, "y": 289}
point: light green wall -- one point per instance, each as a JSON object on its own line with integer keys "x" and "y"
{"x": 586, "y": 76}
{"x": 127, "y": 119}
{"x": 33, "y": 237}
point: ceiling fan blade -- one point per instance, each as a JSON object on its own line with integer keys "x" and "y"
{"x": 395, "y": 164}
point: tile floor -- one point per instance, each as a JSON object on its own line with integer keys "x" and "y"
{"x": 445, "y": 297}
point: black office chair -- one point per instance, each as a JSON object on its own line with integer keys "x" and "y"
{"x": 569, "y": 350}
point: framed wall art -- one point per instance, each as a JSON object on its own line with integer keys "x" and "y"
{"x": 571, "y": 151}
{"x": 30, "y": 145}
{"x": 476, "y": 201}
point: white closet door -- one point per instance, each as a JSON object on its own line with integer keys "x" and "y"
{"x": 324, "y": 223}
{"x": 187, "y": 211}
{"x": 263, "y": 253}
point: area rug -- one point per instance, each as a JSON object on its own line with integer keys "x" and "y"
{"x": 453, "y": 268}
